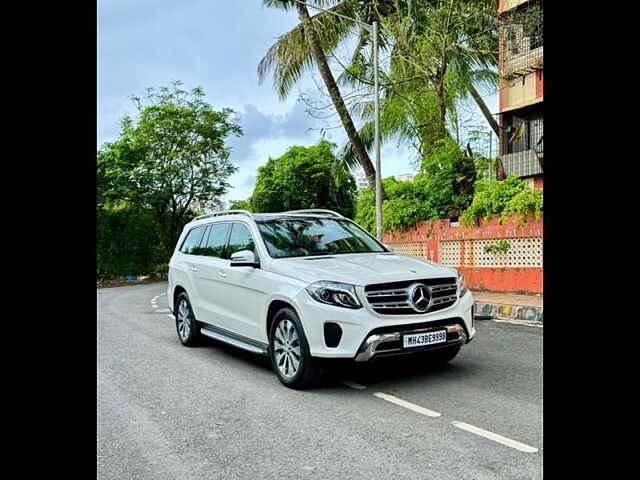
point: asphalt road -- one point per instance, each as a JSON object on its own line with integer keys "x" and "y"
{"x": 170, "y": 412}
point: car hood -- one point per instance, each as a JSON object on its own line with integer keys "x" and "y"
{"x": 360, "y": 268}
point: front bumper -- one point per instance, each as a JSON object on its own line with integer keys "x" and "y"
{"x": 390, "y": 344}
{"x": 366, "y": 334}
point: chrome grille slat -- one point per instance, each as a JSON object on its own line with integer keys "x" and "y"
{"x": 444, "y": 295}
{"x": 390, "y": 305}
{"x": 387, "y": 293}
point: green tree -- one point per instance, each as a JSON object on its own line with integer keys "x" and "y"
{"x": 172, "y": 156}
{"x": 442, "y": 189}
{"x": 304, "y": 177}
{"x": 241, "y": 205}
{"x": 440, "y": 51}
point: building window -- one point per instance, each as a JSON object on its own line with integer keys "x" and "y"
{"x": 522, "y": 130}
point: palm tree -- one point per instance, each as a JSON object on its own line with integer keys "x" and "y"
{"x": 442, "y": 49}
{"x": 402, "y": 116}
{"x": 305, "y": 46}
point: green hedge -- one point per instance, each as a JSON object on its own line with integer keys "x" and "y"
{"x": 126, "y": 243}
{"x": 509, "y": 197}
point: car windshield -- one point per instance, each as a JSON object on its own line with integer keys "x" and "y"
{"x": 302, "y": 237}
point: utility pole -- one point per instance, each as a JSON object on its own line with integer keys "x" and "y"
{"x": 377, "y": 133}
{"x": 373, "y": 29}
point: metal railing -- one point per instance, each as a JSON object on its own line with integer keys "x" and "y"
{"x": 316, "y": 210}
{"x": 223, "y": 212}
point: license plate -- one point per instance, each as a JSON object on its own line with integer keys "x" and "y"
{"x": 425, "y": 338}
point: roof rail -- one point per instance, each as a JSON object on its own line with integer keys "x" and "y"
{"x": 223, "y": 212}
{"x": 316, "y": 210}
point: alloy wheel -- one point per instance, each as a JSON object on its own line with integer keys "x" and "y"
{"x": 184, "y": 320}
{"x": 287, "y": 348}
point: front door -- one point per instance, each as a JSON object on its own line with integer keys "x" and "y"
{"x": 244, "y": 288}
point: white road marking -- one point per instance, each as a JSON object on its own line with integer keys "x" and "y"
{"x": 519, "y": 322}
{"x": 162, "y": 294}
{"x": 355, "y": 386}
{"x": 154, "y": 305}
{"x": 405, "y": 404}
{"x": 169, "y": 315}
{"x": 495, "y": 437}
{"x": 163, "y": 310}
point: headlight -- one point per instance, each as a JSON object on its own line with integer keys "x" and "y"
{"x": 462, "y": 287}
{"x": 334, "y": 293}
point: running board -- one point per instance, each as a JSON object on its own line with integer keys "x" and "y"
{"x": 236, "y": 342}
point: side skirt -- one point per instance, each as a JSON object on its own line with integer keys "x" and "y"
{"x": 234, "y": 339}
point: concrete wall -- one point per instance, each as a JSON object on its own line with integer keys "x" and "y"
{"x": 519, "y": 270}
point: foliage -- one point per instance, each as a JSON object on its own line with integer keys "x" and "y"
{"x": 406, "y": 205}
{"x": 304, "y": 177}
{"x": 124, "y": 241}
{"x": 442, "y": 189}
{"x": 508, "y": 197}
{"x": 440, "y": 52}
{"x": 171, "y": 158}
{"x": 241, "y": 205}
{"x": 500, "y": 247}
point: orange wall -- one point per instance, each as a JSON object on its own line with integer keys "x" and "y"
{"x": 521, "y": 280}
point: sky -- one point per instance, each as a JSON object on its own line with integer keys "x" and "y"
{"x": 216, "y": 45}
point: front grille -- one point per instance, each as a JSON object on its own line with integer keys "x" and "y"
{"x": 393, "y": 298}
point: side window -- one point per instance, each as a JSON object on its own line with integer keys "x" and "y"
{"x": 191, "y": 244}
{"x": 217, "y": 238}
{"x": 240, "y": 239}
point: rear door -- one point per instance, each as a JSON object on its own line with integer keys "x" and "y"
{"x": 186, "y": 265}
{"x": 209, "y": 275}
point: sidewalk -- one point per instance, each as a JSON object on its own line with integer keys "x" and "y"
{"x": 507, "y": 306}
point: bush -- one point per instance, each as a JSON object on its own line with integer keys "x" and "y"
{"x": 442, "y": 189}
{"x": 126, "y": 243}
{"x": 408, "y": 203}
{"x": 508, "y": 197}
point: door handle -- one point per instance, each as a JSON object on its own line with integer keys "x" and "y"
{"x": 222, "y": 274}
{"x": 193, "y": 269}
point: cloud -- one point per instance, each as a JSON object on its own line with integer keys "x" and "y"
{"x": 258, "y": 126}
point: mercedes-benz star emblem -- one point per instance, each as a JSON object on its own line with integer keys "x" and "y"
{"x": 420, "y": 297}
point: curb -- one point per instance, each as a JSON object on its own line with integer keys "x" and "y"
{"x": 508, "y": 312}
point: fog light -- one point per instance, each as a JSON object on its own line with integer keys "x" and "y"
{"x": 332, "y": 334}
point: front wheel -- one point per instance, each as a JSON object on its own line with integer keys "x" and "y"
{"x": 289, "y": 351}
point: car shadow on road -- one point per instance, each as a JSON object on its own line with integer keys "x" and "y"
{"x": 256, "y": 360}
{"x": 401, "y": 371}
{"x": 404, "y": 371}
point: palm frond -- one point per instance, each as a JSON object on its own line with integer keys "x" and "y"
{"x": 290, "y": 57}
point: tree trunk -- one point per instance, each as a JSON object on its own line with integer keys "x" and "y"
{"x": 485, "y": 110}
{"x": 492, "y": 123}
{"x": 336, "y": 97}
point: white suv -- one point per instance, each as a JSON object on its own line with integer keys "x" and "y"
{"x": 310, "y": 284}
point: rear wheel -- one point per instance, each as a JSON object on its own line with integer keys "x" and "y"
{"x": 289, "y": 351}
{"x": 186, "y": 325}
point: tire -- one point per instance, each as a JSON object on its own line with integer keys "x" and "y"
{"x": 187, "y": 328}
{"x": 445, "y": 355}
{"x": 288, "y": 345}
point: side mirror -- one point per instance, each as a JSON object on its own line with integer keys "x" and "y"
{"x": 244, "y": 258}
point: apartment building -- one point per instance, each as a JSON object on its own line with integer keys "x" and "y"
{"x": 521, "y": 89}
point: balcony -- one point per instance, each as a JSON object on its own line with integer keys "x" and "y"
{"x": 524, "y": 62}
{"x": 521, "y": 164}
